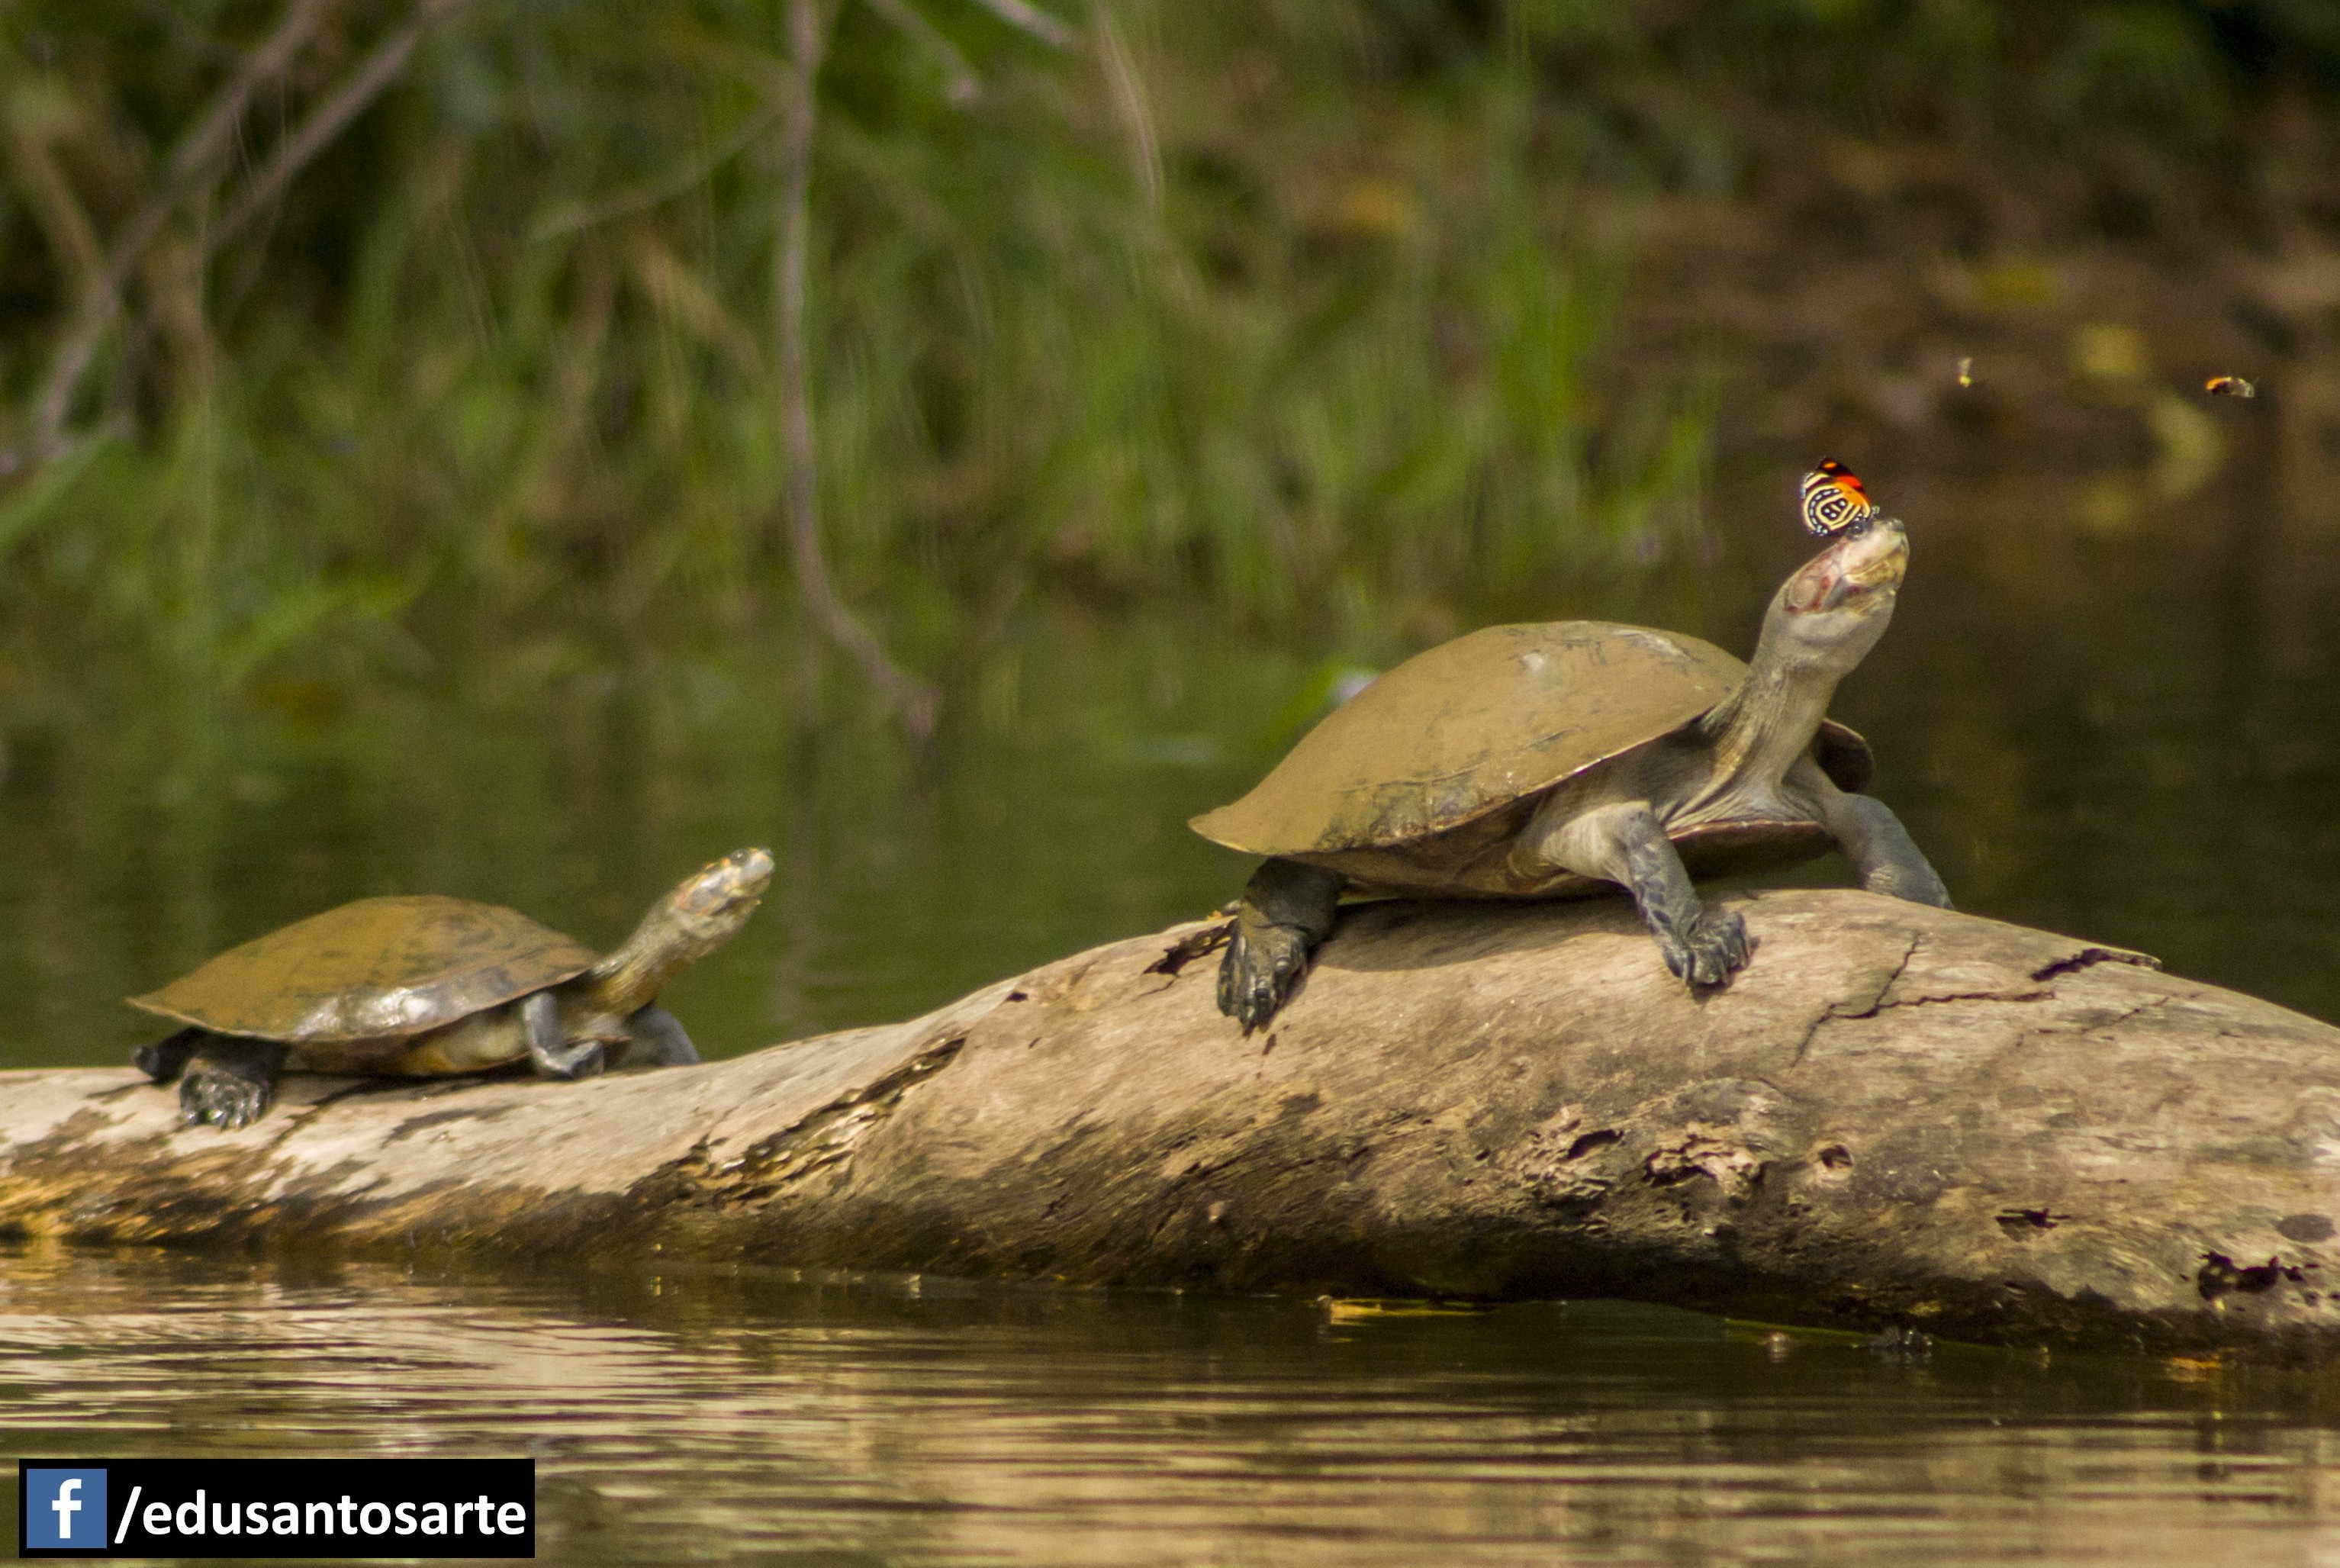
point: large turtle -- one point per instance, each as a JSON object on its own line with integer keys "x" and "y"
{"x": 1553, "y": 759}
{"x": 420, "y": 986}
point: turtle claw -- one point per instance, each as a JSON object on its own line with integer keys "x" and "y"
{"x": 548, "y": 1051}
{"x": 1714, "y": 947}
{"x": 1721, "y": 939}
{"x": 222, "y": 1100}
{"x": 229, "y": 1084}
{"x": 1262, "y": 966}
{"x": 583, "y": 1061}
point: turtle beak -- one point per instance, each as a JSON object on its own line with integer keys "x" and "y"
{"x": 1862, "y": 567}
{"x": 1877, "y": 559}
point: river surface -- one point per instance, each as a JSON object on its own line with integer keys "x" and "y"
{"x": 2100, "y": 712}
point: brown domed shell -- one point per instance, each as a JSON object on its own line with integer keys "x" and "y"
{"x": 1477, "y": 724}
{"x": 375, "y": 967}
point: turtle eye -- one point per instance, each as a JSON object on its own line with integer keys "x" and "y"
{"x": 1856, "y": 528}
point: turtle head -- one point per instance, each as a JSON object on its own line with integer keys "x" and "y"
{"x": 704, "y": 911}
{"x": 714, "y": 902}
{"x": 1827, "y": 617}
{"x": 1823, "y": 620}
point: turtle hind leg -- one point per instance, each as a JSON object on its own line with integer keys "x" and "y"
{"x": 228, "y": 1083}
{"x": 548, "y": 1050}
{"x": 164, "y": 1059}
{"x": 1286, "y": 913}
{"x": 1883, "y": 855}
{"x": 658, "y": 1040}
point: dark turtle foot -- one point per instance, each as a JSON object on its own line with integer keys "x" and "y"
{"x": 552, "y": 1056}
{"x": 584, "y": 1060}
{"x": 166, "y": 1058}
{"x": 1288, "y": 909}
{"x": 1707, "y": 954}
{"x": 228, "y": 1084}
{"x": 658, "y": 1040}
{"x": 1262, "y": 963}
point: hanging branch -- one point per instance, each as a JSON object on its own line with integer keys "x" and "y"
{"x": 1030, "y": 19}
{"x": 908, "y": 21}
{"x": 914, "y": 700}
{"x": 373, "y": 74}
{"x": 579, "y": 215}
{"x": 1129, "y": 103}
{"x": 197, "y": 152}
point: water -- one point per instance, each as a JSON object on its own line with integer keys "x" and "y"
{"x": 730, "y": 1413}
{"x": 2118, "y": 720}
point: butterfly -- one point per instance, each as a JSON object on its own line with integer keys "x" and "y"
{"x": 1834, "y": 499}
{"x": 2229, "y": 386}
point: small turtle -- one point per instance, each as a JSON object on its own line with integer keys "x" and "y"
{"x": 420, "y": 987}
{"x": 1555, "y": 760}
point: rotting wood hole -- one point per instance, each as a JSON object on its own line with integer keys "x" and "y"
{"x": 1189, "y": 948}
{"x": 2016, "y": 1221}
{"x": 1696, "y": 1151}
{"x": 1584, "y": 1146}
{"x": 1836, "y": 1157}
{"x": 2220, "y": 1274}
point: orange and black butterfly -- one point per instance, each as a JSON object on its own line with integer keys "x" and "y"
{"x": 1834, "y": 499}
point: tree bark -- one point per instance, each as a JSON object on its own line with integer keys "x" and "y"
{"x": 1894, "y": 1116}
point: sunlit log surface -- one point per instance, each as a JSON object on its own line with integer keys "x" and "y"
{"x": 1894, "y": 1116}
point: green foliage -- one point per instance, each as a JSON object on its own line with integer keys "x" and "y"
{"x": 1294, "y": 308}
{"x": 1199, "y": 307}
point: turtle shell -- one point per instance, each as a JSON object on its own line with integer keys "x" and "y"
{"x": 1474, "y": 725}
{"x": 376, "y": 967}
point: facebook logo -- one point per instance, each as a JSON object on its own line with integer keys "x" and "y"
{"x": 64, "y": 1508}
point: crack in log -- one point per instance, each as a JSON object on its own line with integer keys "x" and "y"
{"x": 1834, "y": 1012}
{"x": 2088, "y": 958}
{"x": 824, "y": 1138}
{"x": 2115, "y": 1021}
{"x": 2038, "y": 996}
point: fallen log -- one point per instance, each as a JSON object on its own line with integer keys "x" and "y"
{"x": 1894, "y": 1116}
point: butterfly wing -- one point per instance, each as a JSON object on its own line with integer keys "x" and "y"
{"x": 1834, "y": 499}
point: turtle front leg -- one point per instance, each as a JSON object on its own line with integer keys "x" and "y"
{"x": 1883, "y": 855}
{"x": 228, "y": 1082}
{"x": 658, "y": 1040}
{"x": 1624, "y": 843}
{"x": 1287, "y": 912}
{"x": 548, "y": 1049}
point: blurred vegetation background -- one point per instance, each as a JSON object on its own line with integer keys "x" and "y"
{"x": 345, "y": 329}
{"x": 403, "y": 485}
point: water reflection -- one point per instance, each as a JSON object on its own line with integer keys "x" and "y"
{"x": 713, "y": 1414}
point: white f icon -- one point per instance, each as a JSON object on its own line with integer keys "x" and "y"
{"x": 66, "y": 1505}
